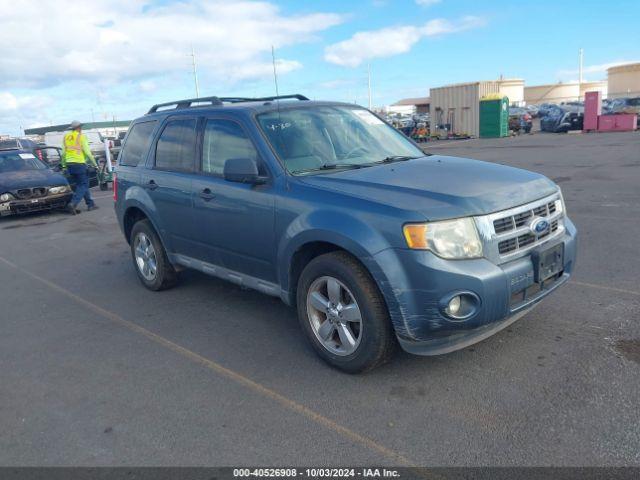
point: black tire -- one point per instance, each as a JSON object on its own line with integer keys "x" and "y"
{"x": 166, "y": 276}
{"x": 104, "y": 186}
{"x": 378, "y": 342}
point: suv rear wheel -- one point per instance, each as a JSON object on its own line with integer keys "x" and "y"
{"x": 343, "y": 313}
{"x": 150, "y": 258}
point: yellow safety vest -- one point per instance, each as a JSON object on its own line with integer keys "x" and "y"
{"x": 73, "y": 147}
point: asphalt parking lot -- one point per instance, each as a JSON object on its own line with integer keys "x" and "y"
{"x": 96, "y": 370}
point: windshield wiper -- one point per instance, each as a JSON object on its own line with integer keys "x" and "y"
{"x": 333, "y": 166}
{"x": 396, "y": 158}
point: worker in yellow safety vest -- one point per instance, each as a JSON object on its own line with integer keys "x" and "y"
{"x": 75, "y": 158}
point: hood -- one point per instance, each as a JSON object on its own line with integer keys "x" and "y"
{"x": 30, "y": 178}
{"x": 440, "y": 187}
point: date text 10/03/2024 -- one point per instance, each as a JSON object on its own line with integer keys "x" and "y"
{"x": 317, "y": 472}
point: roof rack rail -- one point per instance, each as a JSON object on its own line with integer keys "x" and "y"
{"x": 188, "y": 103}
{"x": 217, "y": 101}
{"x": 296, "y": 96}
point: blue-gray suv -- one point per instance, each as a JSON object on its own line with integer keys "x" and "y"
{"x": 326, "y": 206}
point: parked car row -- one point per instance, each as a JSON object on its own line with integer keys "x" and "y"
{"x": 561, "y": 119}
{"x": 568, "y": 116}
{"x": 623, "y": 105}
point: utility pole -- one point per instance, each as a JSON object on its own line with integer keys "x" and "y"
{"x": 369, "y": 83}
{"x": 195, "y": 71}
{"x": 580, "y": 57}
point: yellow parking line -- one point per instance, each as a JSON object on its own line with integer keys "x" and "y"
{"x": 226, "y": 372}
{"x": 604, "y": 287}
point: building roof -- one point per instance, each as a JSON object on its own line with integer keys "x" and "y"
{"x": 414, "y": 101}
{"x": 627, "y": 67}
{"x": 65, "y": 126}
{"x": 477, "y": 82}
{"x": 568, "y": 84}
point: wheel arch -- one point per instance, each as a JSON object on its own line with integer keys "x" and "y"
{"x": 133, "y": 214}
{"x": 308, "y": 250}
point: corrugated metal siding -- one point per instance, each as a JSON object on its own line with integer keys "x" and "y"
{"x": 460, "y": 103}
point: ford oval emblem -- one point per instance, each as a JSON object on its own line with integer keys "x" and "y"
{"x": 539, "y": 225}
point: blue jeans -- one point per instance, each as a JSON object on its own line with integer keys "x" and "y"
{"x": 78, "y": 176}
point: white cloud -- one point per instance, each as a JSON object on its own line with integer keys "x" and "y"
{"x": 337, "y": 83}
{"x": 600, "y": 68}
{"x": 427, "y": 3}
{"x": 147, "y": 86}
{"x": 11, "y": 104}
{"x": 391, "y": 41}
{"x": 21, "y": 111}
{"x": 109, "y": 41}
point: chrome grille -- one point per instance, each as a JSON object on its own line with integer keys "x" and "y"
{"x": 518, "y": 220}
{"x": 521, "y": 241}
{"x": 507, "y": 235}
{"x": 23, "y": 193}
{"x": 27, "y": 193}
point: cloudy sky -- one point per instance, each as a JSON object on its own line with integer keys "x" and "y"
{"x": 98, "y": 59}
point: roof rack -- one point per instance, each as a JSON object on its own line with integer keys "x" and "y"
{"x": 217, "y": 101}
{"x": 296, "y": 96}
{"x": 188, "y": 103}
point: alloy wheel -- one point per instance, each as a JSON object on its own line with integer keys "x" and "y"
{"x": 334, "y": 316}
{"x": 146, "y": 259}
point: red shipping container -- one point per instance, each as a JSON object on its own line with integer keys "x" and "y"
{"x": 592, "y": 109}
{"x": 622, "y": 122}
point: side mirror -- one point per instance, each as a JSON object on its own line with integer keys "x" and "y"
{"x": 242, "y": 170}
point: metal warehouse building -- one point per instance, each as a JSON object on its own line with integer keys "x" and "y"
{"x": 458, "y": 105}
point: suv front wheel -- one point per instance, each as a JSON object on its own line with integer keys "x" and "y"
{"x": 343, "y": 313}
{"x": 150, "y": 258}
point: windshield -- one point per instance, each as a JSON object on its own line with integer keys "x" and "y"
{"x": 312, "y": 139}
{"x": 19, "y": 162}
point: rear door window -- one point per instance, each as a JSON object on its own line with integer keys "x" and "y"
{"x": 135, "y": 149}
{"x": 175, "y": 150}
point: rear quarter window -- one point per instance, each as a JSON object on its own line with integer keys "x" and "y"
{"x": 135, "y": 148}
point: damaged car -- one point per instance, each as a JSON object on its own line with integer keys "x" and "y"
{"x": 326, "y": 206}
{"x": 28, "y": 185}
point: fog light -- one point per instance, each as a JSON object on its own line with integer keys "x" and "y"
{"x": 454, "y": 305}
{"x": 460, "y": 306}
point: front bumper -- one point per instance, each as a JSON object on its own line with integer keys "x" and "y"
{"x": 50, "y": 202}
{"x": 418, "y": 281}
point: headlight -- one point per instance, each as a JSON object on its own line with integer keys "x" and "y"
{"x": 451, "y": 239}
{"x": 60, "y": 189}
{"x": 5, "y": 197}
{"x": 560, "y": 208}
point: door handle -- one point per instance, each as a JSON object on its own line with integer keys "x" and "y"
{"x": 151, "y": 185}
{"x": 207, "y": 194}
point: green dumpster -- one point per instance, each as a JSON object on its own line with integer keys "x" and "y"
{"x": 494, "y": 117}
